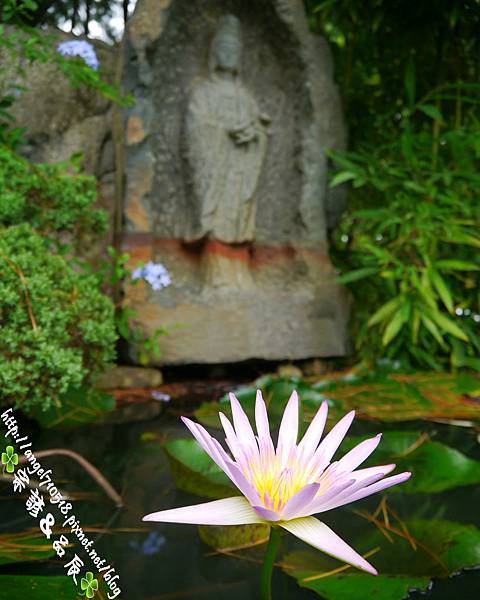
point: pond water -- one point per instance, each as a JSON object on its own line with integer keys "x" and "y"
{"x": 166, "y": 561}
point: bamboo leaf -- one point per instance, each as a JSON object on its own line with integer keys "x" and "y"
{"x": 373, "y": 213}
{"x": 456, "y": 265}
{"x": 442, "y": 289}
{"x": 395, "y": 325}
{"x": 433, "y": 329}
{"x": 448, "y": 325}
{"x": 357, "y": 274}
{"x": 342, "y": 177}
{"x": 460, "y": 237}
{"x": 472, "y": 363}
{"x": 431, "y": 111}
{"x": 424, "y": 357}
{"x": 426, "y": 292}
{"x": 384, "y": 311}
{"x": 415, "y": 325}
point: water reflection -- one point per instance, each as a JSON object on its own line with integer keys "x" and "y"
{"x": 150, "y": 544}
{"x": 162, "y": 562}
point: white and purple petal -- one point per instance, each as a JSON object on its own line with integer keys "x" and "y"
{"x": 372, "y": 489}
{"x": 358, "y": 455}
{"x": 288, "y": 433}
{"x": 243, "y": 428}
{"x": 228, "y": 511}
{"x": 327, "y": 503}
{"x": 299, "y": 503}
{"x": 320, "y": 536}
{"x": 261, "y": 421}
{"x": 311, "y": 439}
{"x": 334, "y": 438}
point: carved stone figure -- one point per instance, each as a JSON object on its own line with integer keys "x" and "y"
{"x": 226, "y": 140}
{"x": 232, "y": 202}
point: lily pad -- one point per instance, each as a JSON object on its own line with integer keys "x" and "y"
{"x": 19, "y": 547}
{"x": 32, "y": 587}
{"x": 441, "y": 548}
{"x": 403, "y": 397}
{"x": 233, "y": 536}
{"x": 78, "y": 407}
{"x": 435, "y": 467}
{"x": 195, "y": 472}
{"x": 359, "y": 587}
{"x": 384, "y": 396}
{"x": 275, "y": 390}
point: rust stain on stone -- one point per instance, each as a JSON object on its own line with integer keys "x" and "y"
{"x": 144, "y": 244}
{"x": 135, "y": 212}
{"x": 231, "y": 251}
{"x": 138, "y": 254}
{"x": 139, "y": 185}
{"x": 135, "y": 130}
{"x": 147, "y": 25}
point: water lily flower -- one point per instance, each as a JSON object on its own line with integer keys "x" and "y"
{"x": 286, "y": 485}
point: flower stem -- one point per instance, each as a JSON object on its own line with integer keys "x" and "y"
{"x": 268, "y": 561}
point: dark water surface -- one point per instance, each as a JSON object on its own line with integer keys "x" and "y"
{"x": 166, "y": 561}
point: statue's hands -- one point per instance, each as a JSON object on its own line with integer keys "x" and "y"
{"x": 244, "y": 134}
{"x": 265, "y": 119}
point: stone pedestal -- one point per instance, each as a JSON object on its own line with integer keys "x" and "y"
{"x": 226, "y": 180}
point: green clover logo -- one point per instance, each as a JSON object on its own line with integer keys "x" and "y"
{"x": 89, "y": 584}
{"x": 9, "y": 459}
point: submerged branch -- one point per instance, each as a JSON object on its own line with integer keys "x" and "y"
{"x": 86, "y": 465}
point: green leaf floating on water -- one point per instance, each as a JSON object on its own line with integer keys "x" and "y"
{"x": 383, "y": 396}
{"x": 231, "y": 537}
{"x": 361, "y": 587}
{"x": 276, "y": 392}
{"x": 78, "y": 407}
{"x": 23, "y": 587}
{"x": 195, "y": 472}
{"x": 18, "y": 547}
{"x": 443, "y": 548}
{"x": 403, "y": 397}
{"x": 434, "y": 466}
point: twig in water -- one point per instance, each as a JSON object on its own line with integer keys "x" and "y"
{"x": 89, "y": 468}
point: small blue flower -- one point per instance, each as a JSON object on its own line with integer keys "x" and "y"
{"x": 80, "y": 48}
{"x": 160, "y": 396}
{"x": 154, "y": 273}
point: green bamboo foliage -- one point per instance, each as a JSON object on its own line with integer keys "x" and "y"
{"x": 411, "y": 257}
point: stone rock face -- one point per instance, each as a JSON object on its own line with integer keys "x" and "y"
{"x": 226, "y": 179}
{"x": 116, "y": 377}
{"x": 60, "y": 121}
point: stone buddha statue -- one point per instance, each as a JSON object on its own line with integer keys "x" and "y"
{"x": 226, "y": 137}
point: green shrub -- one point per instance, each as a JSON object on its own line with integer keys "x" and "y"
{"x": 55, "y": 202}
{"x": 57, "y": 328}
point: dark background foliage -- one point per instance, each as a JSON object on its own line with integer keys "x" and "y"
{"x": 374, "y": 41}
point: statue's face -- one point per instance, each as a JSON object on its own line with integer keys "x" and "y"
{"x": 228, "y": 54}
